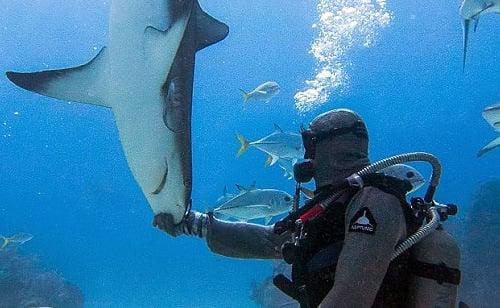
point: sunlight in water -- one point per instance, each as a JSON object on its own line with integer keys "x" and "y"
{"x": 342, "y": 25}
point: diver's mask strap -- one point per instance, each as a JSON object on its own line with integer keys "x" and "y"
{"x": 311, "y": 138}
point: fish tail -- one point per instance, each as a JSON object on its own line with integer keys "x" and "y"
{"x": 243, "y": 145}
{"x": 245, "y": 95}
{"x": 5, "y": 242}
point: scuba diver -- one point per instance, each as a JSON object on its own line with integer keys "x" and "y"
{"x": 357, "y": 242}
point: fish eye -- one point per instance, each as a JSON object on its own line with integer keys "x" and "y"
{"x": 287, "y": 198}
{"x": 410, "y": 174}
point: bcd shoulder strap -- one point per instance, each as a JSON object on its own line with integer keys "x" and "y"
{"x": 438, "y": 272}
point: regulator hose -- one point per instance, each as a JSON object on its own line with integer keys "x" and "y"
{"x": 356, "y": 179}
{"x": 403, "y": 158}
{"x": 429, "y": 195}
{"x": 419, "y": 235}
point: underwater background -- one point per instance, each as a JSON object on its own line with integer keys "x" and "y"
{"x": 65, "y": 180}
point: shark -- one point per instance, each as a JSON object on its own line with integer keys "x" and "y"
{"x": 492, "y": 115}
{"x": 145, "y": 75}
{"x": 472, "y": 10}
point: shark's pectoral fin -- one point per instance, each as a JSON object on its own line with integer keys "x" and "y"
{"x": 160, "y": 47}
{"x": 208, "y": 30}
{"x": 490, "y": 146}
{"x": 79, "y": 84}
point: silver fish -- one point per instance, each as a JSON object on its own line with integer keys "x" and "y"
{"x": 405, "y": 172}
{"x": 19, "y": 239}
{"x": 264, "y": 92}
{"x": 252, "y": 203}
{"x": 492, "y": 116}
{"x": 278, "y": 145}
{"x": 224, "y": 198}
{"x": 145, "y": 75}
{"x": 287, "y": 164}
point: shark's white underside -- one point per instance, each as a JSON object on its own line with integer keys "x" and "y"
{"x": 128, "y": 76}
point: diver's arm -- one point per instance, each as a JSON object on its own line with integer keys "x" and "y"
{"x": 244, "y": 240}
{"x": 365, "y": 256}
{"x": 231, "y": 239}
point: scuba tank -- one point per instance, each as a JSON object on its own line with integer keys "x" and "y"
{"x": 435, "y": 259}
{"x": 434, "y": 271}
{"x": 434, "y": 267}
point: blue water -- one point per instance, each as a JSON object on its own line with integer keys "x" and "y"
{"x": 65, "y": 180}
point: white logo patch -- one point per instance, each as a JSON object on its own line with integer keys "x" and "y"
{"x": 363, "y": 222}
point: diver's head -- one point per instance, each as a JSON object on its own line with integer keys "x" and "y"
{"x": 336, "y": 146}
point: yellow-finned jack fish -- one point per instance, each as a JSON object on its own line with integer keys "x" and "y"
{"x": 19, "y": 239}
{"x": 264, "y": 92}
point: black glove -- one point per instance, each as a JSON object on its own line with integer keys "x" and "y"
{"x": 194, "y": 223}
{"x": 165, "y": 222}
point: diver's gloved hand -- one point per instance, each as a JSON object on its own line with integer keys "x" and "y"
{"x": 165, "y": 222}
{"x": 194, "y": 224}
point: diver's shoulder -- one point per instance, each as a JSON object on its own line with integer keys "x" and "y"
{"x": 374, "y": 197}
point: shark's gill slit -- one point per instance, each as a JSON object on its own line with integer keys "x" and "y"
{"x": 163, "y": 181}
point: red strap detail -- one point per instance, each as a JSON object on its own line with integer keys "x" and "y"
{"x": 315, "y": 211}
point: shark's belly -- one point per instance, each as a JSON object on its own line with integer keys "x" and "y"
{"x": 152, "y": 152}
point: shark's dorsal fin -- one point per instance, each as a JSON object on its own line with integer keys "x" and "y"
{"x": 277, "y": 128}
{"x": 78, "y": 84}
{"x": 208, "y": 29}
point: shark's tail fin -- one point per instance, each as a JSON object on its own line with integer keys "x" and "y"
{"x": 245, "y": 95}
{"x": 5, "y": 242}
{"x": 244, "y": 144}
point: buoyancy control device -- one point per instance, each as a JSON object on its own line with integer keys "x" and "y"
{"x": 433, "y": 262}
